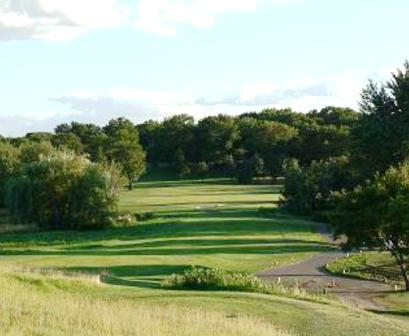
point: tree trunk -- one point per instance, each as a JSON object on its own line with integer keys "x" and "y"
{"x": 405, "y": 275}
{"x": 403, "y": 268}
{"x": 130, "y": 184}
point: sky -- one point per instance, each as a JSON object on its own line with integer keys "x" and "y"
{"x": 94, "y": 60}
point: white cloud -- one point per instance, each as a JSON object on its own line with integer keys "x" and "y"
{"x": 57, "y": 19}
{"x": 139, "y": 105}
{"x": 62, "y": 20}
{"x": 164, "y": 16}
{"x": 302, "y": 95}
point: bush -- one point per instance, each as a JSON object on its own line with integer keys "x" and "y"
{"x": 309, "y": 189}
{"x": 200, "y": 278}
{"x": 64, "y": 191}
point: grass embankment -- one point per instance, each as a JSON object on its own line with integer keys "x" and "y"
{"x": 212, "y": 224}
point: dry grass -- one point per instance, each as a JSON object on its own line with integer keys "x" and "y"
{"x": 31, "y": 305}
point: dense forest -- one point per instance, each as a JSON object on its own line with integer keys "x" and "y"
{"x": 339, "y": 165}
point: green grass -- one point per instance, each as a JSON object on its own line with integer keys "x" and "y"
{"x": 369, "y": 266}
{"x": 212, "y": 224}
{"x": 53, "y": 304}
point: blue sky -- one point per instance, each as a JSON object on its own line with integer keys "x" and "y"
{"x": 64, "y": 60}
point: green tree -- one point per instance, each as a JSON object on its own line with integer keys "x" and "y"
{"x": 177, "y": 134}
{"x": 124, "y": 148}
{"x": 216, "y": 138}
{"x": 9, "y": 165}
{"x": 308, "y": 190}
{"x": 68, "y": 141}
{"x": 201, "y": 169}
{"x": 381, "y": 137}
{"x": 251, "y": 168}
{"x": 63, "y": 191}
{"x": 34, "y": 151}
{"x": 268, "y": 139}
{"x": 91, "y": 136}
{"x": 376, "y": 214}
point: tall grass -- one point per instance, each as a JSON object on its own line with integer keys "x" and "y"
{"x": 200, "y": 278}
{"x": 31, "y": 305}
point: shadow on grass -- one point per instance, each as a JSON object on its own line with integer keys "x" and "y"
{"x": 180, "y": 251}
{"x": 145, "y": 276}
{"x": 229, "y": 222}
{"x": 404, "y": 313}
{"x": 250, "y": 243}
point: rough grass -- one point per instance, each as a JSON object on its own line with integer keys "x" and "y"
{"x": 31, "y": 304}
{"x": 54, "y": 304}
{"x": 199, "y": 278}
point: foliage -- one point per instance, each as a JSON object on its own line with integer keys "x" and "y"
{"x": 267, "y": 139}
{"x": 381, "y": 138}
{"x": 31, "y": 152}
{"x": 212, "y": 279}
{"x": 201, "y": 169}
{"x": 217, "y": 136}
{"x": 9, "y": 165}
{"x": 123, "y": 147}
{"x": 309, "y": 189}
{"x": 91, "y": 136}
{"x": 248, "y": 169}
{"x": 68, "y": 141}
{"x": 200, "y": 278}
{"x": 376, "y": 215}
{"x": 64, "y": 191}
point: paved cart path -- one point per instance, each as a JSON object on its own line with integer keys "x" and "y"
{"x": 311, "y": 275}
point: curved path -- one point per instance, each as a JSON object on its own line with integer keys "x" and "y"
{"x": 311, "y": 275}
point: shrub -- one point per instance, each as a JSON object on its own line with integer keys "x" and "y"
{"x": 200, "y": 278}
{"x": 309, "y": 189}
{"x": 212, "y": 279}
{"x": 64, "y": 191}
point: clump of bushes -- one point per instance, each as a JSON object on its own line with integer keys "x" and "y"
{"x": 64, "y": 191}
{"x": 200, "y": 278}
